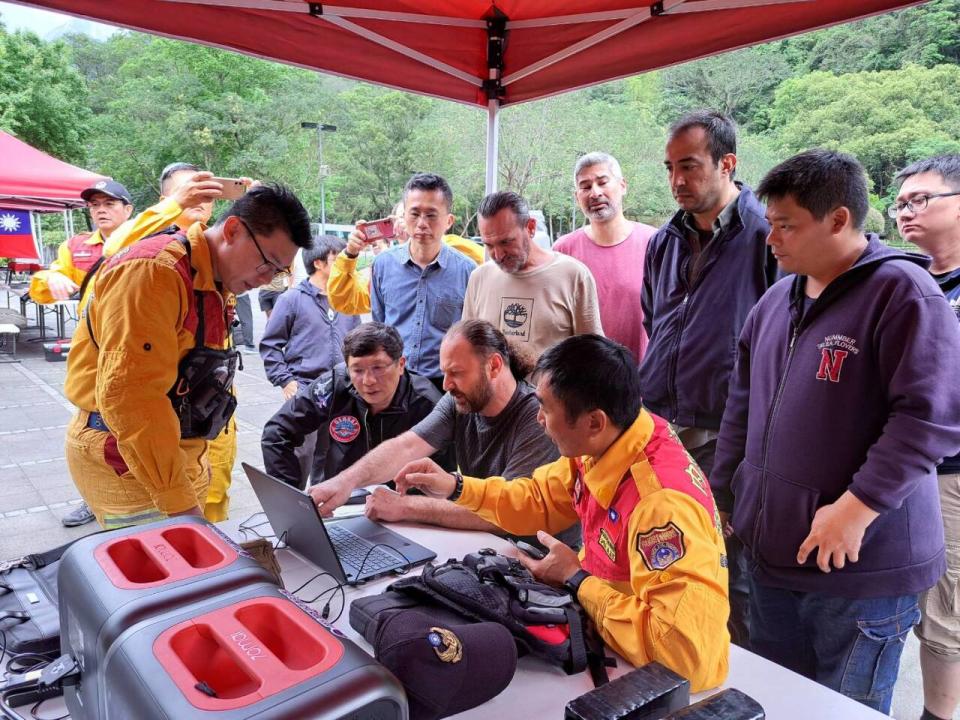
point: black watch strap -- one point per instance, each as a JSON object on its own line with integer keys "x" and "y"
{"x": 458, "y": 489}
{"x": 352, "y": 257}
{"x": 574, "y": 582}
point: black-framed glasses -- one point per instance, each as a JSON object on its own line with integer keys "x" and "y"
{"x": 262, "y": 267}
{"x": 916, "y": 204}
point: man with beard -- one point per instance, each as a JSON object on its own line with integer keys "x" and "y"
{"x": 612, "y": 247}
{"x": 536, "y": 297}
{"x": 704, "y": 270}
{"x": 489, "y": 413}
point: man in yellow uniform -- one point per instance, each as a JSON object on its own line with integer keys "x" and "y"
{"x": 349, "y": 292}
{"x": 652, "y": 571}
{"x": 110, "y": 206}
{"x": 186, "y": 197}
{"x": 137, "y": 446}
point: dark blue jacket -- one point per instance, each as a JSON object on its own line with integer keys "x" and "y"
{"x": 304, "y": 337}
{"x": 860, "y": 393}
{"x": 693, "y": 331}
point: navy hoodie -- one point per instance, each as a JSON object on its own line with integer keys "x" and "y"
{"x": 861, "y": 392}
{"x": 693, "y": 330}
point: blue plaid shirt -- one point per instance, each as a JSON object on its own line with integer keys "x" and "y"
{"x": 420, "y": 303}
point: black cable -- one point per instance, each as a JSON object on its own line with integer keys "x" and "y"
{"x": 246, "y": 528}
{"x": 400, "y": 570}
{"x": 35, "y": 710}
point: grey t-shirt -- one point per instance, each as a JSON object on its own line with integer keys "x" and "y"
{"x": 510, "y": 445}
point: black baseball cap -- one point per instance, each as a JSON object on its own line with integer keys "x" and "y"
{"x": 108, "y": 187}
{"x": 445, "y": 668}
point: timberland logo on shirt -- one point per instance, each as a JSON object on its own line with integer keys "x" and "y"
{"x": 515, "y": 315}
{"x": 834, "y": 350}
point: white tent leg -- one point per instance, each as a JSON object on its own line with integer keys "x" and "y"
{"x": 493, "y": 144}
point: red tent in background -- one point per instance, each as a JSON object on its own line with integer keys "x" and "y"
{"x": 477, "y": 52}
{"x": 32, "y": 180}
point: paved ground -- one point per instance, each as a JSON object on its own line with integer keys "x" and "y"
{"x": 36, "y": 491}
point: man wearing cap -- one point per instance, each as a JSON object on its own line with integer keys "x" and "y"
{"x": 136, "y": 451}
{"x": 110, "y": 206}
{"x": 652, "y": 574}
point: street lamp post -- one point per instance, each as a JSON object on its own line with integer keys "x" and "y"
{"x": 321, "y": 128}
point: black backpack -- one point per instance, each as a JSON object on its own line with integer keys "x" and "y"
{"x": 545, "y": 621}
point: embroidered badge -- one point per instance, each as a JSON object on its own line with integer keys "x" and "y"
{"x": 661, "y": 547}
{"x": 344, "y": 428}
{"x": 606, "y": 542}
{"x": 613, "y": 515}
{"x": 834, "y": 350}
{"x": 445, "y": 644}
{"x": 697, "y": 477}
{"x": 723, "y": 561}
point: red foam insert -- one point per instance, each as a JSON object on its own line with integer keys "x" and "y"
{"x": 160, "y": 556}
{"x": 245, "y": 652}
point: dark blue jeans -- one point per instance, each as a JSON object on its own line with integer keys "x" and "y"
{"x": 851, "y": 646}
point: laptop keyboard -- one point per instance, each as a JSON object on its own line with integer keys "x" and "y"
{"x": 356, "y": 551}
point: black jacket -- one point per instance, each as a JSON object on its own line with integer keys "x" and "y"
{"x": 693, "y": 330}
{"x": 332, "y": 405}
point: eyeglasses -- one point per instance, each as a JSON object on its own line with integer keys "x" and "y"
{"x": 377, "y": 371}
{"x": 262, "y": 267}
{"x": 916, "y": 204}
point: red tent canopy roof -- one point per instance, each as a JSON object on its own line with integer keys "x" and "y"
{"x": 442, "y": 47}
{"x": 32, "y": 180}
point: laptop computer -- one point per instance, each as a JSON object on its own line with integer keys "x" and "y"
{"x": 352, "y": 549}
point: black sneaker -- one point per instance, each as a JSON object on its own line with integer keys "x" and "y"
{"x": 80, "y": 516}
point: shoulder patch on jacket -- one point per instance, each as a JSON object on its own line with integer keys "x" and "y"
{"x": 661, "y": 547}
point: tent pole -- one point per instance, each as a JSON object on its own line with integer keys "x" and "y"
{"x": 493, "y": 144}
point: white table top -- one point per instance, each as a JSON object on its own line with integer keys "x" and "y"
{"x": 539, "y": 690}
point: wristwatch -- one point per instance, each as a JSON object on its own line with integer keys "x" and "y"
{"x": 352, "y": 257}
{"x": 574, "y": 582}
{"x": 458, "y": 489}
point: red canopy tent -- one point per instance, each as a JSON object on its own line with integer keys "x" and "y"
{"x": 34, "y": 181}
{"x": 474, "y": 51}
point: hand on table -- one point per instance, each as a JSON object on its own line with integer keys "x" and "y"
{"x": 329, "y": 495}
{"x": 385, "y": 505}
{"x": 559, "y": 565}
{"x": 837, "y": 530}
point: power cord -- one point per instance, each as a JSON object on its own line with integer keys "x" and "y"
{"x": 248, "y": 527}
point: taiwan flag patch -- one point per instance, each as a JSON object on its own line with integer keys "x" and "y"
{"x": 661, "y": 547}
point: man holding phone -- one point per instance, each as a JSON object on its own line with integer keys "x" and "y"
{"x": 418, "y": 288}
{"x": 349, "y": 291}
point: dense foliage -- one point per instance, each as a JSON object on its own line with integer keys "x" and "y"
{"x": 886, "y": 89}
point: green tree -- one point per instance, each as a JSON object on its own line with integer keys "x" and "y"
{"x": 738, "y": 84}
{"x": 926, "y": 35}
{"x": 171, "y": 101}
{"x": 886, "y": 119}
{"x": 42, "y": 98}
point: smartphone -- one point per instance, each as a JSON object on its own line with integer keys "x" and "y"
{"x": 530, "y": 550}
{"x": 233, "y": 189}
{"x": 378, "y": 230}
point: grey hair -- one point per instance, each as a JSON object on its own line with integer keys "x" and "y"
{"x": 597, "y": 158}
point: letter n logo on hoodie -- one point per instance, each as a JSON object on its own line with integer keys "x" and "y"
{"x": 831, "y": 363}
